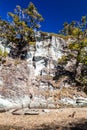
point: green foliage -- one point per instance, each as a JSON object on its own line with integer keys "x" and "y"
{"x": 3, "y": 54}
{"x": 21, "y": 28}
{"x": 76, "y": 32}
{"x": 74, "y": 46}
{"x": 84, "y": 42}
{"x": 77, "y": 49}
{"x": 32, "y": 43}
{"x": 35, "y": 16}
{"x": 63, "y": 60}
{"x": 83, "y": 80}
{"x": 75, "y": 28}
{"x": 83, "y": 19}
{"x": 83, "y": 56}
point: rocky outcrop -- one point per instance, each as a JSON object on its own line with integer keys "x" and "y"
{"x": 31, "y": 83}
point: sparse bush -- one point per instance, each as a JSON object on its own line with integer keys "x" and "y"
{"x": 3, "y": 55}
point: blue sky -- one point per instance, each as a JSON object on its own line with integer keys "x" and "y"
{"x": 55, "y": 12}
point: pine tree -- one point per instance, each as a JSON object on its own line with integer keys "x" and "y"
{"x": 21, "y": 30}
{"x": 77, "y": 50}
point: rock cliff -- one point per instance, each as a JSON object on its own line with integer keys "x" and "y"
{"x": 30, "y": 83}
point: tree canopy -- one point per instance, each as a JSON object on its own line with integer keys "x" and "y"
{"x": 77, "y": 50}
{"x": 21, "y": 28}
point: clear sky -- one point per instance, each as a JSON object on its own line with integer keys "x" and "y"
{"x": 55, "y": 12}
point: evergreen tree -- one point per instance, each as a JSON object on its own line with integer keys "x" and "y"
{"x": 77, "y": 50}
{"x": 21, "y": 30}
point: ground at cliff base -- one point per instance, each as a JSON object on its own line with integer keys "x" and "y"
{"x": 57, "y": 119}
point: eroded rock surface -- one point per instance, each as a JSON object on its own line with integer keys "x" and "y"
{"x": 31, "y": 83}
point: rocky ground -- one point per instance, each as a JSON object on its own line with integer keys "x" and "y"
{"x": 57, "y": 119}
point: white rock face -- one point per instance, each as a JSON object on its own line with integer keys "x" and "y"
{"x": 30, "y": 83}
{"x": 32, "y": 78}
{"x": 7, "y": 104}
{"x": 42, "y": 63}
{"x": 44, "y": 58}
